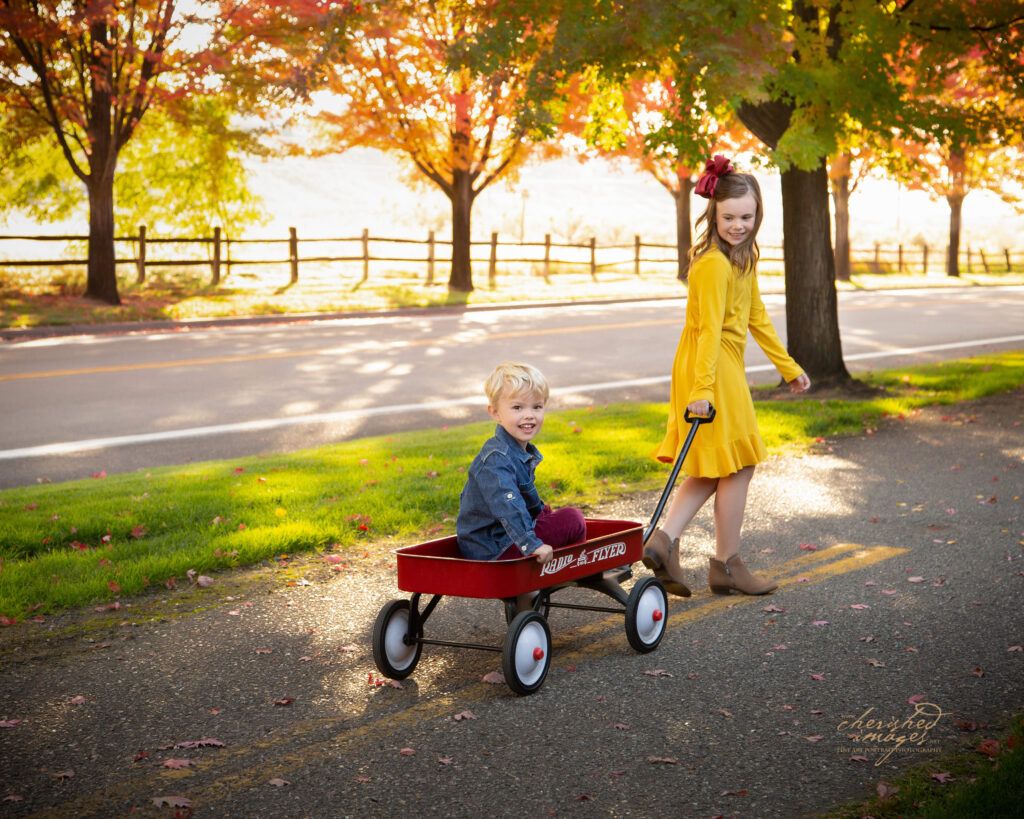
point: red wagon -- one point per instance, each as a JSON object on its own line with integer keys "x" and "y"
{"x": 601, "y": 563}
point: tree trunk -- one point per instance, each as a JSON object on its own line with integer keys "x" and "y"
{"x": 812, "y": 314}
{"x": 461, "y": 277}
{"x": 953, "y": 253}
{"x": 841, "y": 198}
{"x": 684, "y": 235}
{"x": 101, "y": 280}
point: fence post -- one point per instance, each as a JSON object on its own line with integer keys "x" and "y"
{"x": 1006, "y": 253}
{"x": 293, "y": 253}
{"x": 636, "y": 254}
{"x": 366, "y": 254}
{"x": 984, "y": 261}
{"x": 140, "y": 262}
{"x": 924, "y": 258}
{"x": 216, "y": 257}
{"x": 547, "y": 257}
{"x": 430, "y": 257}
{"x": 492, "y": 263}
{"x": 593, "y": 258}
{"x": 900, "y": 257}
{"x": 878, "y": 259}
{"x": 970, "y": 267}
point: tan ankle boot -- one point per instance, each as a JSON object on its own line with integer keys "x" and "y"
{"x": 662, "y": 557}
{"x": 732, "y": 575}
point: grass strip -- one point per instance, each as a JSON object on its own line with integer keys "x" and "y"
{"x": 985, "y": 779}
{"x": 94, "y": 541}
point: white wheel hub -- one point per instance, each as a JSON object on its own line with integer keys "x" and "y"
{"x": 398, "y": 653}
{"x": 530, "y": 653}
{"x": 650, "y": 615}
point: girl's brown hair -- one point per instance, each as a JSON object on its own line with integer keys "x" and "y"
{"x": 743, "y": 256}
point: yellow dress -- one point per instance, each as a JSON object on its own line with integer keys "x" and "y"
{"x": 721, "y": 307}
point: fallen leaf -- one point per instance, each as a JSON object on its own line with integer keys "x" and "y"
{"x": 859, "y": 759}
{"x": 1015, "y": 648}
{"x": 395, "y": 684}
{"x": 989, "y": 747}
{"x": 14, "y": 797}
{"x": 362, "y": 778}
{"x": 408, "y": 752}
{"x": 875, "y": 663}
{"x": 205, "y": 742}
{"x": 886, "y": 791}
{"x": 724, "y": 713}
{"x": 63, "y": 775}
{"x": 621, "y": 726}
{"x": 740, "y": 792}
{"x": 977, "y": 671}
{"x": 662, "y": 760}
{"x": 172, "y": 802}
{"x": 79, "y": 700}
{"x": 494, "y": 678}
{"x": 819, "y": 622}
{"x": 943, "y": 777}
{"x": 860, "y": 606}
{"x": 264, "y": 651}
{"x": 815, "y": 738}
{"x": 915, "y": 579}
{"x": 204, "y": 582}
{"x": 774, "y": 609}
{"x": 177, "y": 764}
{"x": 780, "y": 647}
{"x": 818, "y": 677}
{"x": 965, "y": 725}
{"x": 445, "y": 760}
{"x": 277, "y": 782}
{"x": 138, "y": 531}
{"x": 914, "y": 700}
{"x": 10, "y": 723}
{"x": 464, "y": 715}
{"x": 657, "y": 672}
{"x": 284, "y": 701}
{"x": 808, "y": 547}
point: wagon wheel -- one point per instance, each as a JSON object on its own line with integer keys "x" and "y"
{"x": 394, "y": 655}
{"x": 526, "y": 656}
{"x": 646, "y": 614}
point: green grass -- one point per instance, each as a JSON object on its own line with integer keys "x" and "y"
{"x": 977, "y": 784}
{"x": 82, "y": 542}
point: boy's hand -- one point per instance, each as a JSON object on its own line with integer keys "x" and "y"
{"x": 544, "y": 553}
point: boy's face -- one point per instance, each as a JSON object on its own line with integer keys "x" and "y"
{"x": 521, "y": 416}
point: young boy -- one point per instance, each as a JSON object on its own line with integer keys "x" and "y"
{"x": 500, "y": 513}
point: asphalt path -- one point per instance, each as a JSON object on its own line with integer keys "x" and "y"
{"x": 900, "y": 558}
{"x": 117, "y": 402}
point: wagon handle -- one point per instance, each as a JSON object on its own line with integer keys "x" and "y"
{"x": 694, "y": 421}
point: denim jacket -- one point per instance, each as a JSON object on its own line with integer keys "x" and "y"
{"x": 499, "y": 503}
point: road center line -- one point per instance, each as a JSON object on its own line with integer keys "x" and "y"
{"x": 274, "y": 758}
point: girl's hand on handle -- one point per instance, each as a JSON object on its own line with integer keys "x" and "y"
{"x": 800, "y": 384}
{"x": 701, "y": 408}
{"x": 544, "y": 554}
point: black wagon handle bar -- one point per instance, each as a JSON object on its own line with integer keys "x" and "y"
{"x": 694, "y": 421}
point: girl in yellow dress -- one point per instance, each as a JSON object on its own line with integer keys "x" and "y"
{"x": 722, "y": 305}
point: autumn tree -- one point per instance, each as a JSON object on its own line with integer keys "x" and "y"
{"x": 87, "y": 72}
{"x": 395, "y": 89}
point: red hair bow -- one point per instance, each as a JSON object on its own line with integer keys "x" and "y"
{"x": 713, "y": 169}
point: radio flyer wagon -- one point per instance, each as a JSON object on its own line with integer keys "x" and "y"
{"x": 601, "y": 563}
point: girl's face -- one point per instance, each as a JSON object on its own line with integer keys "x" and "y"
{"x": 734, "y": 218}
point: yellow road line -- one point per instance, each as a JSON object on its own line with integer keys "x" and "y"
{"x": 234, "y": 359}
{"x": 814, "y": 566}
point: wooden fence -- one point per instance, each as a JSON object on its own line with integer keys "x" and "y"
{"x": 222, "y": 255}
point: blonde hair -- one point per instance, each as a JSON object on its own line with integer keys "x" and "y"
{"x": 743, "y": 256}
{"x": 510, "y": 378}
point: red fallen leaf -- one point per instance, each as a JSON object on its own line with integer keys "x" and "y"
{"x": 859, "y": 759}
{"x": 349, "y": 648}
{"x": 965, "y": 725}
{"x": 569, "y": 669}
{"x": 494, "y": 678}
{"x": 657, "y": 672}
{"x": 205, "y": 742}
{"x": 264, "y": 651}
{"x": 214, "y": 711}
{"x": 171, "y": 802}
{"x": 204, "y": 582}
{"x": 818, "y": 677}
{"x": 868, "y": 639}
{"x": 464, "y": 715}
{"x": 239, "y": 470}
{"x": 284, "y": 701}
{"x": 177, "y": 764}
{"x": 141, "y": 755}
{"x": 860, "y": 606}
{"x": 620, "y": 726}
{"x": 915, "y": 579}
{"x": 914, "y": 700}
{"x": 1015, "y": 648}
{"x": 943, "y": 777}
{"x": 977, "y": 671}
{"x": 106, "y": 538}
{"x": 63, "y": 775}
{"x": 138, "y": 531}
{"x": 875, "y": 663}
{"x": 362, "y": 778}
{"x": 740, "y": 792}
{"x": 808, "y": 547}
{"x": 780, "y": 647}
{"x": 277, "y": 782}
{"x": 333, "y": 559}
{"x": 662, "y": 760}
{"x": 101, "y": 474}
{"x": 773, "y": 609}
{"x": 445, "y": 760}
{"x": 31, "y": 507}
{"x": 886, "y": 791}
{"x": 171, "y": 582}
{"x": 815, "y": 738}
{"x": 989, "y": 747}
{"x": 583, "y": 797}
{"x": 724, "y": 713}
{"x": 819, "y": 622}
{"x": 10, "y": 723}
{"x": 817, "y": 712}
{"x": 889, "y": 591}
{"x": 8, "y": 621}
{"x": 108, "y": 607}
{"x": 82, "y": 547}
{"x": 395, "y": 684}
{"x": 114, "y": 586}
{"x": 408, "y": 752}
{"x": 79, "y": 700}
{"x": 235, "y": 613}
{"x": 14, "y": 797}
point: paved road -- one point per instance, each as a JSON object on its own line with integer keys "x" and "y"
{"x": 73, "y": 406}
{"x": 913, "y": 591}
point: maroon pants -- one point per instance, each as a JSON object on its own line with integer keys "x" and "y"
{"x": 556, "y": 528}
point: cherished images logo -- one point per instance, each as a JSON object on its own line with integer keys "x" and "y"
{"x": 882, "y": 736}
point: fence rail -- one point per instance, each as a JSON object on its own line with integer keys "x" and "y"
{"x": 545, "y": 258}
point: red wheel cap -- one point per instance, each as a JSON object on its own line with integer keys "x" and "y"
{"x": 538, "y": 654}
{"x": 657, "y": 616}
